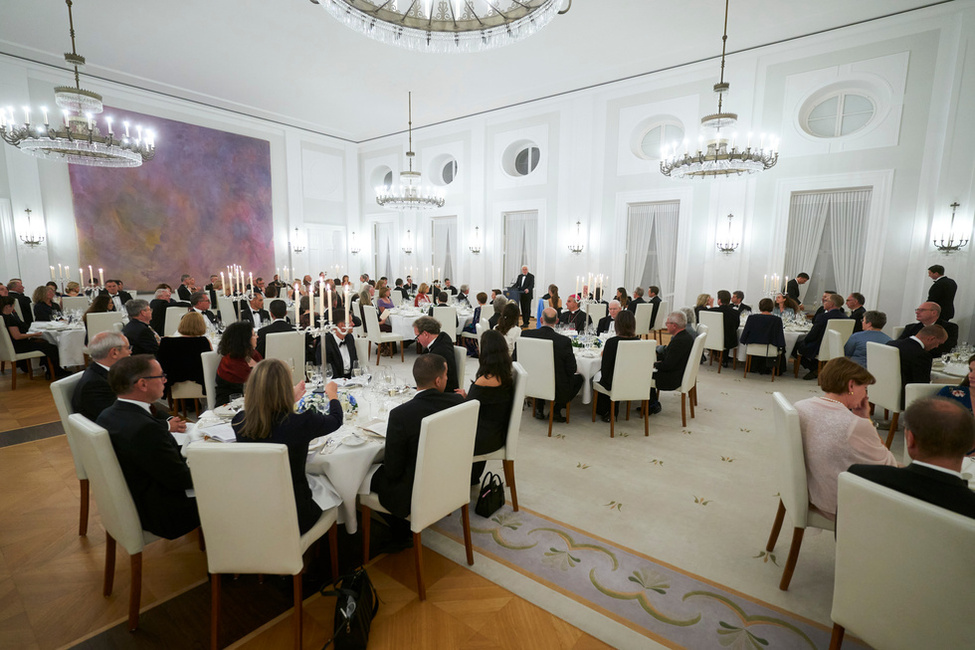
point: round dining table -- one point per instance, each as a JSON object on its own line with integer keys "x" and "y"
{"x": 69, "y": 338}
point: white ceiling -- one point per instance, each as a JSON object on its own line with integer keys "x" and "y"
{"x": 289, "y": 61}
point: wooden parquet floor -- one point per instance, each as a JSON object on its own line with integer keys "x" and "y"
{"x": 30, "y": 404}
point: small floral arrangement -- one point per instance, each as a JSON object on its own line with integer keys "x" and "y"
{"x": 319, "y": 402}
{"x": 587, "y": 341}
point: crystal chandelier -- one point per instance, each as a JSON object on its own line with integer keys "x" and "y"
{"x": 409, "y": 195}
{"x": 728, "y": 246}
{"x": 950, "y": 245}
{"x": 78, "y": 140}
{"x": 443, "y": 26}
{"x": 31, "y": 239}
{"x": 717, "y": 158}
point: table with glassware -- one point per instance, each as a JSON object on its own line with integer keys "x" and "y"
{"x": 401, "y": 319}
{"x": 952, "y": 368}
{"x": 587, "y": 349}
{"x": 68, "y": 336}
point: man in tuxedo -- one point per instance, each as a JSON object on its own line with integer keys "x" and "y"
{"x": 116, "y": 295}
{"x": 200, "y": 303}
{"x": 525, "y": 286}
{"x": 607, "y": 324}
{"x": 410, "y": 286}
{"x": 340, "y": 352}
{"x": 915, "y": 360}
{"x": 792, "y": 286}
{"x": 278, "y": 324}
{"x": 942, "y": 291}
{"x": 448, "y": 287}
{"x": 855, "y": 302}
{"x": 938, "y": 434}
{"x": 185, "y": 288}
{"x": 442, "y": 302}
{"x": 254, "y": 311}
{"x": 654, "y": 299}
{"x": 403, "y": 291}
{"x": 573, "y": 316}
{"x": 141, "y": 337}
{"x": 730, "y": 318}
{"x": 258, "y": 286}
{"x": 567, "y": 382}
{"x": 463, "y": 296}
{"x": 737, "y": 302}
{"x": 161, "y": 301}
{"x": 149, "y": 457}
{"x": 213, "y": 281}
{"x": 15, "y": 288}
{"x": 637, "y": 300}
{"x": 668, "y": 370}
{"x": 808, "y": 346}
{"x": 929, "y": 313}
{"x": 430, "y": 338}
{"x": 92, "y": 394}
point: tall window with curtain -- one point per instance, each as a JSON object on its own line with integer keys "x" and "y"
{"x": 443, "y": 239}
{"x": 520, "y": 243}
{"x": 383, "y": 247}
{"x": 651, "y": 244}
{"x": 826, "y": 239}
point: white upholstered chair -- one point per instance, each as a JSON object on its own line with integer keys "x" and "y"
{"x": 632, "y": 380}
{"x": 225, "y": 306}
{"x": 793, "y": 489}
{"x": 536, "y": 356}
{"x": 447, "y": 317}
{"x": 396, "y": 297}
{"x": 63, "y": 391}
{"x": 917, "y": 593}
{"x": 373, "y": 335}
{"x": 74, "y": 303}
{"x": 290, "y": 348}
{"x": 236, "y": 486}
{"x": 912, "y": 393}
{"x": 441, "y": 483}
{"x": 644, "y": 312}
{"x": 596, "y": 311}
{"x": 884, "y": 363}
{"x": 102, "y": 322}
{"x": 9, "y": 355}
{"x": 210, "y": 362}
{"x": 688, "y": 384}
{"x": 173, "y": 316}
{"x": 766, "y": 350}
{"x": 460, "y": 360}
{"x": 715, "y": 340}
{"x": 479, "y": 328}
{"x": 657, "y": 328}
{"x": 507, "y": 453}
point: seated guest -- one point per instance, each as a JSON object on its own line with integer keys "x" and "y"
{"x": 785, "y": 307}
{"x": 442, "y": 298}
{"x": 54, "y": 286}
{"x": 25, "y": 341}
{"x": 856, "y": 346}
{"x": 448, "y": 288}
{"x": 429, "y": 337}
{"x": 180, "y": 356}
{"x": 567, "y": 382}
{"x": 573, "y": 316}
{"x": 607, "y": 324}
{"x": 471, "y": 328}
{"x": 764, "y": 329}
{"x": 15, "y": 289}
{"x": 668, "y": 370}
{"x": 409, "y": 285}
{"x": 497, "y": 304}
{"x": 72, "y": 289}
{"x": 938, "y": 434}
{"x": 279, "y": 324}
{"x": 507, "y": 324}
{"x": 552, "y": 298}
{"x": 622, "y": 297}
{"x": 737, "y": 303}
{"x": 186, "y": 287}
{"x": 403, "y": 291}
{"x": 269, "y": 416}
{"x": 704, "y": 301}
{"x": 730, "y": 318}
{"x": 463, "y": 296}
{"x": 237, "y": 356}
{"x": 154, "y": 470}
{"x": 690, "y": 326}
{"x": 929, "y": 313}
{"x": 422, "y": 296}
{"x": 340, "y": 352}
{"x": 494, "y": 388}
{"x": 113, "y": 290}
{"x": 141, "y": 337}
{"x": 253, "y": 311}
{"x": 200, "y": 303}
{"x": 808, "y": 346}
{"x": 962, "y": 393}
{"x": 855, "y": 302}
{"x": 160, "y": 302}
{"x": 637, "y": 299}
{"x": 46, "y": 307}
{"x": 915, "y": 355}
{"x": 92, "y": 394}
{"x": 823, "y": 306}
{"x": 654, "y": 299}
{"x": 837, "y": 431}
{"x": 365, "y": 300}
{"x": 99, "y": 305}
{"x": 625, "y": 331}
{"x": 384, "y": 301}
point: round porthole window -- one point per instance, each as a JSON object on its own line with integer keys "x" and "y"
{"x": 521, "y": 158}
{"x": 838, "y": 114}
{"x": 443, "y": 170}
{"x": 381, "y": 177}
{"x": 659, "y": 136}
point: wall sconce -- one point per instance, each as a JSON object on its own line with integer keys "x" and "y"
{"x": 408, "y": 243}
{"x": 577, "y": 245}
{"x": 476, "y": 246}
{"x": 31, "y": 239}
{"x": 296, "y": 243}
{"x": 353, "y": 244}
{"x": 727, "y": 246}
{"x": 950, "y": 245}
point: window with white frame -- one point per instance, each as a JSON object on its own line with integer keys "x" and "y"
{"x": 838, "y": 114}
{"x": 651, "y": 246}
{"x": 520, "y": 243}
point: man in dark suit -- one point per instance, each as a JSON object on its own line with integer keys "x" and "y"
{"x": 340, "y": 352}
{"x": 410, "y": 286}
{"x": 141, "y": 337}
{"x": 149, "y": 457}
{"x": 185, "y": 288}
{"x": 162, "y": 301}
{"x": 254, "y": 311}
{"x": 525, "y": 287}
{"x": 855, "y": 302}
{"x": 915, "y": 357}
{"x": 792, "y": 286}
{"x": 573, "y": 316}
{"x": 403, "y": 291}
{"x": 654, "y": 300}
{"x": 637, "y": 300}
{"x": 429, "y": 337}
{"x": 942, "y": 291}
{"x": 278, "y": 324}
{"x": 929, "y": 313}
{"x": 15, "y": 288}
{"x": 92, "y": 394}
{"x": 938, "y": 434}
{"x": 730, "y": 318}
{"x": 393, "y": 481}
{"x": 737, "y": 302}
{"x": 116, "y": 294}
{"x": 607, "y": 324}
{"x": 567, "y": 382}
{"x": 668, "y": 370}
{"x": 809, "y": 345}
{"x": 200, "y": 303}
{"x": 823, "y": 308}
{"x": 447, "y": 287}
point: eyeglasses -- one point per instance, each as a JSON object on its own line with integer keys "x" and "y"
{"x": 162, "y": 376}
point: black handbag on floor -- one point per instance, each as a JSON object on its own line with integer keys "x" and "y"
{"x": 355, "y": 608}
{"x": 491, "y": 496}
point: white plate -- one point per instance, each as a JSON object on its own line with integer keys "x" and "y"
{"x": 353, "y": 440}
{"x": 225, "y": 412}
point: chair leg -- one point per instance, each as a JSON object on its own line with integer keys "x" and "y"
{"x": 298, "y": 607}
{"x": 402, "y": 351}
{"x": 418, "y": 559}
{"x": 109, "y": 581}
{"x": 595, "y": 398}
{"x": 333, "y": 550}
{"x": 720, "y": 360}
{"x": 693, "y": 401}
{"x": 568, "y": 412}
{"x": 509, "y": 477}
{"x": 214, "y": 611}
{"x": 612, "y": 419}
{"x": 790, "y": 563}
{"x": 135, "y": 592}
{"x": 366, "y": 523}
{"x": 627, "y": 410}
{"x": 551, "y": 414}
{"x": 836, "y": 639}
{"x": 13, "y": 375}
{"x": 200, "y": 540}
{"x": 892, "y": 431}
{"x": 748, "y": 364}
{"x": 734, "y": 358}
{"x": 683, "y": 409}
{"x": 795, "y": 365}
{"x": 465, "y": 512}
{"x": 369, "y": 350}
{"x": 85, "y": 500}
{"x": 379, "y": 351}
{"x": 776, "y": 527}
{"x": 646, "y": 417}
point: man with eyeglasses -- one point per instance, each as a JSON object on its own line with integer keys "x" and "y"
{"x": 929, "y": 313}
{"x": 154, "y": 469}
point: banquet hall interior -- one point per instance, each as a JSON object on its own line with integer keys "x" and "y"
{"x": 274, "y": 128}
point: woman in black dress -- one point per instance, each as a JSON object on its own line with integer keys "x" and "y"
{"x": 29, "y": 342}
{"x": 46, "y": 307}
{"x": 625, "y": 331}
{"x": 494, "y": 388}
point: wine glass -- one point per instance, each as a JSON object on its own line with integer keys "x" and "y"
{"x": 310, "y": 371}
{"x": 356, "y": 369}
{"x": 328, "y": 373}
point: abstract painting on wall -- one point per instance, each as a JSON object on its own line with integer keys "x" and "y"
{"x": 202, "y": 203}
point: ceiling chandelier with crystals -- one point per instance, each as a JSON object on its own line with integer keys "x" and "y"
{"x": 77, "y": 140}
{"x": 716, "y": 156}
{"x": 409, "y": 195}
{"x": 443, "y": 26}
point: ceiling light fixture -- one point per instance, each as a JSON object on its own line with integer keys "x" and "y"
{"x": 444, "y": 26}
{"x": 78, "y": 140}
{"x": 714, "y": 157}
{"x": 409, "y": 195}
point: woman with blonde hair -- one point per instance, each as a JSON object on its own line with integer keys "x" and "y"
{"x": 181, "y": 356}
{"x": 46, "y": 308}
{"x": 704, "y": 302}
{"x": 269, "y": 416}
{"x": 422, "y": 295}
{"x": 72, "y": 289}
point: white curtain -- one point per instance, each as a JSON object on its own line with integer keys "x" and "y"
{"x": 652, "y": 224}
{"x": 520, "y": 243}
{"x": 637, "y": 243}
{"x": 383, "y": 247}
{"x": 443, "y": 238}
{"x": 847, "y": 229}
{"x": 665, "y": 226}
{"x": 807, "y": 218}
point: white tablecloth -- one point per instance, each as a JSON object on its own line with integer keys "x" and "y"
{"x": 69, "y": 339}
{"x": 402, "y": 323}
{"x": 587, "y": 367}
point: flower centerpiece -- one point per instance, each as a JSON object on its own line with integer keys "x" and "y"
{"x": 319, "y": 402}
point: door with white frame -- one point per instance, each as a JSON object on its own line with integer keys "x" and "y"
{"x": 520, "y": 244}
{"x": 443, "y": 244}
{"x": 651, "y": 247}
{"x": 326, "y": 251}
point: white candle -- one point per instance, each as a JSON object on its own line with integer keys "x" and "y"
{"x": 91, "y": 276}
{"x": 251, "y": 276}
{"x": 577, "y": 285}
{"x": 321, "y": 297}
{"x": 765, "y": 284}
{"x": 330, "y": 320}
{"x": 297, "y": 303}
{"x": 60, "y": 273}
{"x": 81, "y": 276}
{"x": 52, "y": 273}
{"x": 101, "y": 277}
{"x": 348, "y": 312}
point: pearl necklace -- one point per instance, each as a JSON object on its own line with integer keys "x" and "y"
{"x": 835, "y": 401}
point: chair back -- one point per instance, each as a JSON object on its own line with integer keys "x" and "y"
{"x": 210, "y": 362}
{"x": 362, "y": 351}
{"x": 371, "y": 318}
{"x": 514, "y": 422}
{"x": 7, "y": 352}
{"x": 634, "y": 370}
{"x": 662, "y": 310}
{"x": 714, "y": 320}
{"x": 447, "y": 317}
{"x": 914, "y": 392}
{"x": 63, "y": 391}
{"x": 643, "y": 313}
{"x": 74, "y": 303}
{"x": 480, "y": 328}
{"x": 115, "y": 505}
{"x": 927, "y": 603}
{"x": 443, "y": 464}
{"x": 20, "y": 312}
{"x": 102, "y": 322}
{"x": 845, "y": 328}
{"x": 290, "y": 348}
{"x": 884, "y": 363}
{"x": 832, "y": 346}
{"x": 693, "y": 365}
{"x": 898, "y": 330}
{"x": 791, "y": 462}
{"x": 536, "y": 356}
{"x": 460, "y": 360}
{"x": 396, "y": 297}
{"x": 225, "y": 305}
{"x": 247, "y": 509}
{"x": 173, "y": 316}
{"x": 596, "y": 310}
